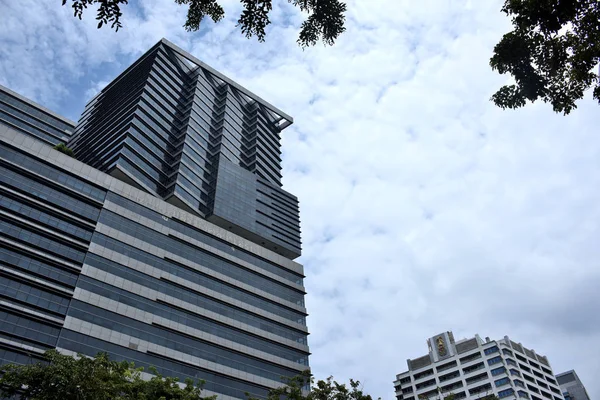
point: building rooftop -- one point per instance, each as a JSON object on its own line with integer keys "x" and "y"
{"x": 467, "y": 344}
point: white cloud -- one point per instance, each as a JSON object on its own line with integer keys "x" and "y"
{"x": 424, "y": 207}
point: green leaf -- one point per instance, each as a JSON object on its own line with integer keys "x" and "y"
{"x": 325, "y": 21}
{"x": 552, "y": 53}
{"x": 99, "y": 378}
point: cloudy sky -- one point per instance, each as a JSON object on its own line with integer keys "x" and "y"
{"x": 424, "y": 207}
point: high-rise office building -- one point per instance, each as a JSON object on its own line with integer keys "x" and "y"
{"x": 91, "y": 262}
{"x": 176, "y": 128}
{"x": 474, "y": 368}
{"x": 571, "y": 386}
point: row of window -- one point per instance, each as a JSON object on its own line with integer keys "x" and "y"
{"x": 41, "y": 242}
{"x": 270, "y": 216}
{"x": 137, "y": 169}
{"x": 281, "y": 200}
{"x": 495, "y": 372}
{"x": 192, "y": 201}
{"x": 494, "y": 360}
{"x": 18, "y": 357}
{"x": 34, "y": 111}
{"x": 476, "y": 378}
{"x": 198, "y": 256}
{"x": 451, "y": 387}
{"x": 215, "y": 382}
{"x": 164, "y": 123}
{"x": 193, "y": 277}
{"x": 151, "y": 161}
{"x": 22, "y": 329}
{"x": 178, "y": 342}
{"x": 425, "y": 384}
{"x": 234, "y": 251}
{"x": 14, "y": 259}
{"x": 278, "y": 217}
{"x": 502, "y": 382}
{"x": 473, "y": 368}
{"x": 470, "y": 357}
{"x": 193, "y": 167}
{"x": 539, "y": 375}
{"x": 199, "y": 322}
{"x": 56, "y": 223}
{"x": 491, "y": 350}
{"x": 106, "y": 119}
{"x": 33, "y": 296}
{"x": 549, "y": 377}
{"x": 200, "y": 137}
{"x": 467, "y": 370}
{"x": 469, "y": 381}
{"x": 449, "y": 376}
{"x": 197, "y": 299}
{"x": 31, "y": 122}
{"x": 42, "y": 192}
{"x": 192, "y": 184}
{"x": 479, "y": 389}
{"x": 151, "y": 177}
{"x": 102, "y": 135}
{"x": 162, "y": 102}
{"x": 52, "y": 173}
{"x": 505, "y": 393}
{"x": 138, "y": 132}
{"x": 10, "y": 119}
{"x": 178, "y": 269}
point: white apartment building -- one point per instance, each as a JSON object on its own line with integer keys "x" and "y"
{"x": 475, "y": 368}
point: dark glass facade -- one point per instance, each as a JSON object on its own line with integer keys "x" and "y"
{"x": 32, "y": 119}
{"x": 90, "y": 263}
{"x": 175, "y": 128}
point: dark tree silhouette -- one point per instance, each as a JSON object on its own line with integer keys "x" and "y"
{"x": 552, "y": 53}
{"x": 324, "y": 22}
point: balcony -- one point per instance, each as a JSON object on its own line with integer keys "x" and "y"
{"x": 425, "y": 384}
{"x": 452, "y": 387}
{"x": 450, "y": 376}
{"x": 452, "y": 381}
{"x": 469, "y": 363}
{"x": 446, "y": 366}
{"x": 423, "y": 374}
{"x": 547, "y": 395}
{"x": 475, "y": 367}
{"x": 523, "y": 394}
{"x": 477, "y": 378}
{"x": 407, "y": 390}
{"x": 471, "y": 357}
{"x": 480, "y": 389}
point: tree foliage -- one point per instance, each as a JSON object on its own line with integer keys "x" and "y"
{"x": 64, "y": 149}
{"x": 296, "y": 388}
{"x": 552, "y": 53}
{"x": 324, "y": 22}
{"x": 69, "y": 378}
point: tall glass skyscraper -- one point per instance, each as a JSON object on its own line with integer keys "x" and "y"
{"x": 174, "y": 127}
{"x": 168, "y": 242}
